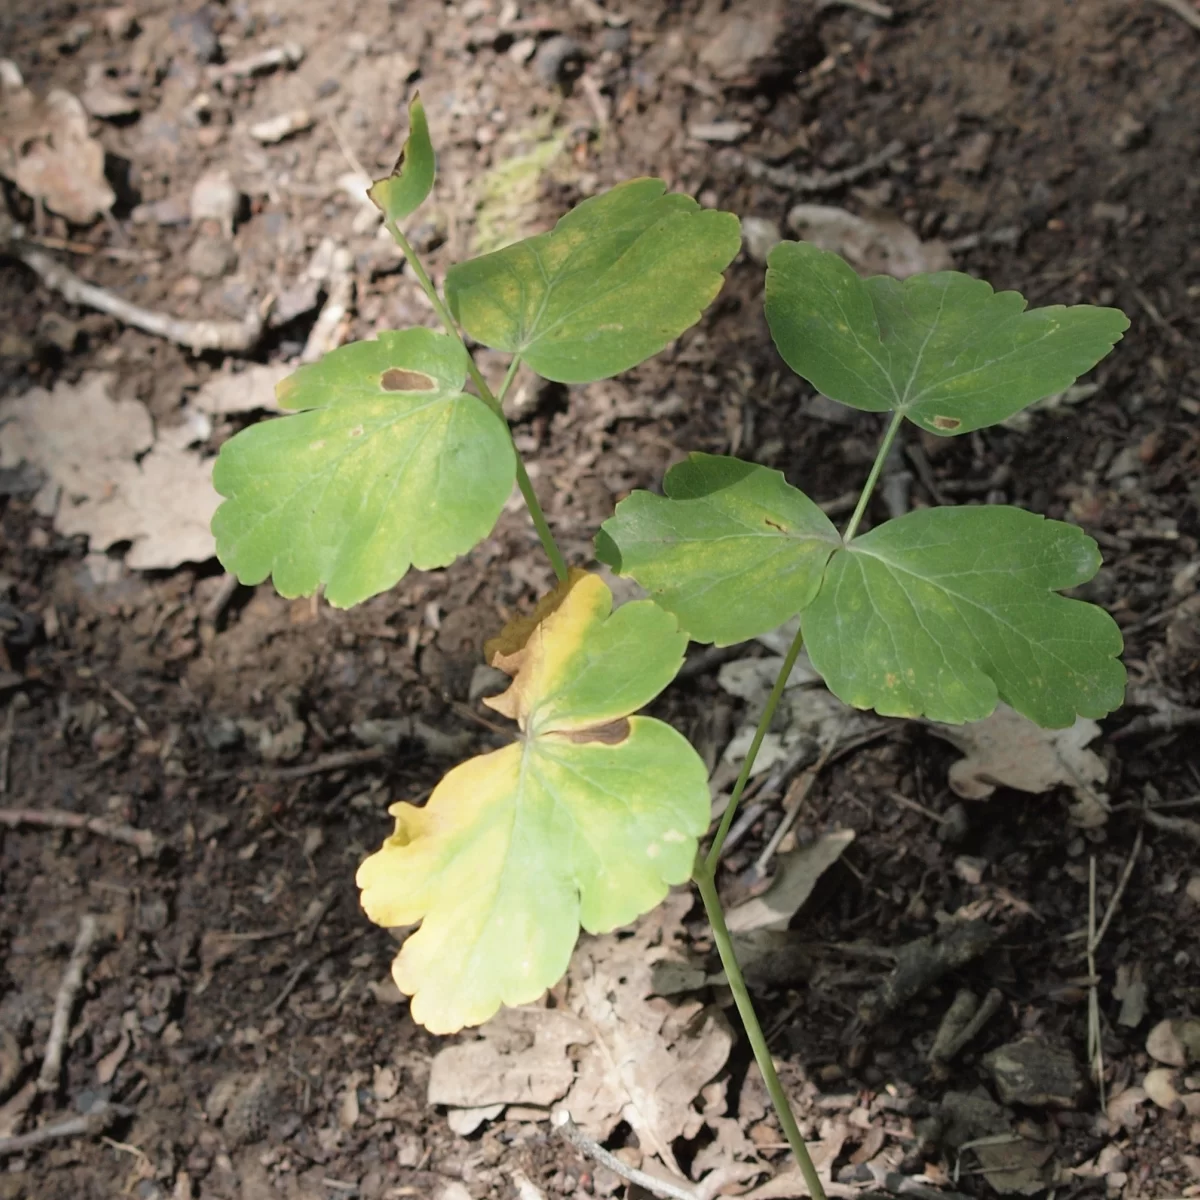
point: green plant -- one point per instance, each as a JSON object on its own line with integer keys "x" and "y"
{"x": 592, "y": 813}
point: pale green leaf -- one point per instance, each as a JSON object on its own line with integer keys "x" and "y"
{"x": 619, "y": 277}
{"x": 390, "y": 466}
{"x": 733, "y": 550}
{"x": 405, "y": 189}
{"x": 944, "y": 611}
{"x": 585, "y": 821}
{"x": 943, "y": 349}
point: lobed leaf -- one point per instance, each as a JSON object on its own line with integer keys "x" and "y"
{"x": 586, "y": 820}
{"x": 619, "y": 277}
{"x": 733, "y": 550}
{"x": 391, "y": 465}
{"x": 411, "y": 180}
{"x": 944, "y": 611}
{"x": 943, "y": 349}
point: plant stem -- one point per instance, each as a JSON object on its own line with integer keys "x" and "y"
{"x": 877, "y": 466}
{"x": 485, "y": 394}
{"x": 764, "y": 723}
{"x": 703, "y": 876}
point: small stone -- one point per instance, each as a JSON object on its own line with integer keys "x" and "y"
{"x": 215, "y": 198}
{"x": 1129, "y": 132}
{"x": 1175, "y": 1043}
{"x": 760, "y": 236}
{"x": 120, "y": 23}
{"x": 955, "y": 826}
{"x": 1193, "y": 889}
{"x": 211, "y": 257}
{"x": 1037, "y": 1073}
{"x": 727, "y": 132}
{"x": 558, "y": 59}
{"x": 286, "y": 125}
{"x": 973, "y": 155}
{"x": 1159, "y": 1085}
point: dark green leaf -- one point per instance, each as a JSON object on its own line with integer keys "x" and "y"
{"x": 943, "y": 349}
{"x": 732, "y": 550}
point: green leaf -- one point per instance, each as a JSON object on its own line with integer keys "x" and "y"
{"x": 391, "y": 465}
{"x": 619, "y": 277}
{"x": 946, "y": 610}
{"x": 411, "y": 180}
{"x": 586, "y": 820}
{"x": 943, "y": 349}
{"x": 733, "y": 550}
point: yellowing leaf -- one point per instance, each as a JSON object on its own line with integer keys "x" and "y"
{"x": 586, "y": 819}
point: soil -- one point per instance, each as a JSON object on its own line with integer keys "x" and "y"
{"x": 238, "y": 1005}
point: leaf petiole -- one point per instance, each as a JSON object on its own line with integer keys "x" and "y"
{"x": 764, "y": 723}
{"x": 703, "y": 875}
{"x": 884, "y": 446}
{"x": 485, "y": 394}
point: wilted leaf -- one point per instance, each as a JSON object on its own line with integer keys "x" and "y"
{"x": 411, "y": 180}
{"x": 391, "y": 465}
{"x": 945, "y": 611}
{"x": 45, "y": 149}
{"x": 943, "y": 349}
{"x": 118, "y": 484}
{"x": 585, "y": 821}
{"x": 1009, "y": 750}
{"x": 619, "y": 277}
{"x": 732, "y": 549}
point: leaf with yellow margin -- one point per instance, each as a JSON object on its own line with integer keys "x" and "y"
{"x": 586, "y": 819}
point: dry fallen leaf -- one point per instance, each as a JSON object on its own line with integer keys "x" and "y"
{"x": 795, "y": 878}
{"x": 1009, "y": 750}
{"x": 613, "y": 1050}
{"x": 249, "y": 389}
{"x": 89, "y": 444}
{"x": 46, "y": 151}
{"x": 878, "y": 244}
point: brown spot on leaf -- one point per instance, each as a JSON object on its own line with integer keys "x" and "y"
{"x": 397, "y": 379}
{"x": 774, "y": 524}
{"x": 946, "y": 423}
{"x": 611, "y": 734}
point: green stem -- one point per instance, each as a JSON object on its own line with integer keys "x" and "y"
{"x": 764, "y": 723}
{"x": 861, "y": 507}
{"x": 485, "y": 394}
{"x": 703, "y": 876}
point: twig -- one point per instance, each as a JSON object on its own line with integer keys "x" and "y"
{"x": 10, "y": 721}
{"x": 561, "y": 1120}
{"x": 289, "y": 987}
{"x": 290, "y": 54}
{"x": 1122, "y": 883}
{"x": 88, "y": 1125}
{"x": 963, "y": 1023}
{"x": 214, "y": 610}
{"x": 331, "y": 762}
{"x": 1182, "y": 825}
{"x": 64, "y": 1004}
{"x": 1183, "y": 10}
{"x": 1095, "y": 1048}
{"x": 145, "y": 842}
{"x": 236, "y": 337}
{"x": 328, "y": 329}
{"x": 870, "y": 7}
{"x": 792, "y": 180}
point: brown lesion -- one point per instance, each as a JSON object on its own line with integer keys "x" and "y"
{"x": 399, "y": 379}
{"x": 613, "y": 733}
{"x": 949, "y": 424}
{"x": 774, "y": 524}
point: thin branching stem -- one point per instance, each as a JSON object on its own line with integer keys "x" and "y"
{"x": 764, "y": 723}
{"x": 703, "y": 876}
{"x": 884, "y": 446}
{"x": 557, "y": 561}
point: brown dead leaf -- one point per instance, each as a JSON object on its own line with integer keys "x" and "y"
{"x": 794, "y": 881}
{"x": 877, "y": 244}
{"x": 89, "y": 444}
{"x": 613, "y": 1051}
{"x": 1009, "y": 750}
{"x": 46, "y": 151}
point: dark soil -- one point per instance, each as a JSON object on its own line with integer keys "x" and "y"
{"x": 239, "y": 995}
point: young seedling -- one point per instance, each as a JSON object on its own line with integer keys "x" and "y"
{"x": 592, "y": 813}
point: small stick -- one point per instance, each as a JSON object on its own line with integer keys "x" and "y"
{"x": 88, "y": 1125}
{"x": 289, "y": 986}
{"x": 870, "y": 7}
{"x": 814, "y": 181}
{"x": 145, "y": 842}
{"x": 1121, "y": 885}
{"x": 1094, "y": 1047}
{"x": 1183, "y": 10}
{"x": 64, "y": 1004}
{"x": 1181, "y": 825}
{"x": 561, "y": 1120}
{"x": 332, "y": 762}
{"x": 236, "y": 337}
{"x": 10, "y": 721}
